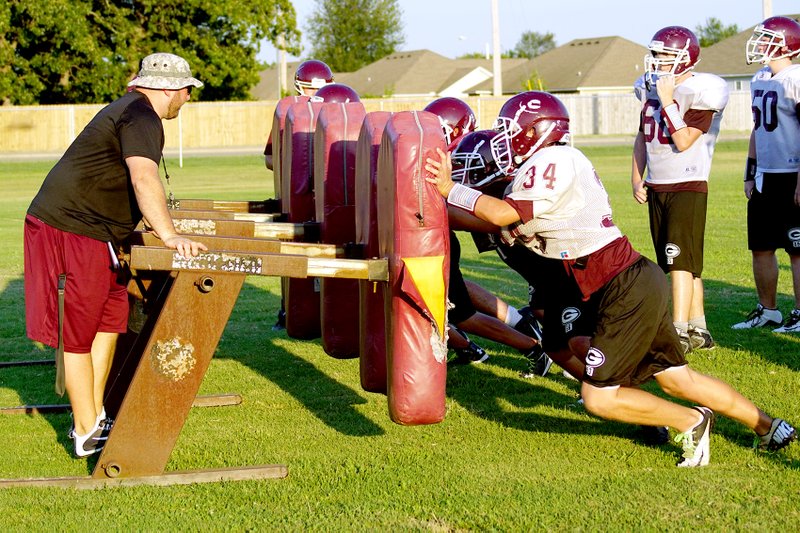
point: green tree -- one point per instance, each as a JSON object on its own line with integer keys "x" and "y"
{"x": 85, "y": 51}
{"x": 532, "y": 44}
{"x": 713, "y": 31}
{"x": 348, "y": 34}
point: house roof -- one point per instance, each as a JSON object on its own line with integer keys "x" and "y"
{"x": 727, "y": 57}
{"x": 401, "y": 73}
{"x": 601, "y": 62}
{"x": 417, "y": 72}
{"x": 267, "y": 86}
{"x": 611, "y": 62}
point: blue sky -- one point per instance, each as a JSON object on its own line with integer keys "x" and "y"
{"x": 456, "y": 27}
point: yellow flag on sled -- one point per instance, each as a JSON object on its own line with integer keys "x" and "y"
{"x": 428, "y": 278}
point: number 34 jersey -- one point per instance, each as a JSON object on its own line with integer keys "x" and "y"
{"x": 775, "y": 122}
{"x": 564, "y": 209}
{"x": 701, "y": 98}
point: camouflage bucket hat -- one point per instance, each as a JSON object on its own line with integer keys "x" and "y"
{"x": 164, "y": 71}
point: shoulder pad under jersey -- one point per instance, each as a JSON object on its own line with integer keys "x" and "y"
{"x": 702, "y": 91}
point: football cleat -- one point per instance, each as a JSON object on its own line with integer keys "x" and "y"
{"x": 700, "y": 338}
{"x": 759, "y": 317}
{"x": 696, "y": 442}
{"x": 792, "y": 324}
{"x": 780, "y": 435}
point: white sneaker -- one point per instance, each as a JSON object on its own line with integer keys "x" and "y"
{"x": 759, "y": 317}
{"x": 93, "y": 441}
{"x": 792, "y": 324}
{"x": 696, "y": 442}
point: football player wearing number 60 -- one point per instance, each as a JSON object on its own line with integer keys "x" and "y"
{"x": 681, "y": 113}
{"x": 771, "y": 175}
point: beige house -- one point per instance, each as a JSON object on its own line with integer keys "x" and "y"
{"x": 599, "y": 65}
{"x": 583, "y": 66}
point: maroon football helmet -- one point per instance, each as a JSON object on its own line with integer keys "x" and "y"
{"x": 673, "y": 46}
{"x": 337, "y": 93}
{"x": 312, "y": 74}
{"x": 455, "y": 116}
{"x": 473, "y": 163}
{"x": 528, "y": 122}
{"x": 775, "y": 38}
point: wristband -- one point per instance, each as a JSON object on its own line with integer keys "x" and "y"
{"x": 463, "y": 197}
{"x": 750, "y": 169}
{"x": 673, "y": 118}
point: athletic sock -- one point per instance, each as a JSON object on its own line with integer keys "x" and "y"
{"x": 698, "y": 322}
{"x": 682, "y": 326}
{"x": 512, "y": 316}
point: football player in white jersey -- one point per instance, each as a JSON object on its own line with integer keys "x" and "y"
{"x": 476, "y": 310}
{"x": 557, "y": 207}
{"x": 771, "y": 182}
{"x": 679, "y": 123}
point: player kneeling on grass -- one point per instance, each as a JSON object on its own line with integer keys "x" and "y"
{"x": 557, "y": 207}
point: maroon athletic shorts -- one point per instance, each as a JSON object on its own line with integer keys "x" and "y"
{"x": 95, "y": 297}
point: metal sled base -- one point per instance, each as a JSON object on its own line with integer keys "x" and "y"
{"x": 167, "y": 478}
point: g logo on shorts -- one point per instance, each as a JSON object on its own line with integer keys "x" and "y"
{"x": 568, "y": 317}
{"x": 594, "y": 359}
{"x": 794, "y": 237}
{"x": 671, "y": 250}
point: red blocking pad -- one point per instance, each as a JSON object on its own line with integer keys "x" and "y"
{"x": 301, "y": 296}
{"x": 335, "y": 143}
{"x": 276, "y": 138}
{"x": 372, "y": 326}
{"x": 413, "y": 236}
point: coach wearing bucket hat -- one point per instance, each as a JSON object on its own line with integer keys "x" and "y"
{"x": 92, "y": 199}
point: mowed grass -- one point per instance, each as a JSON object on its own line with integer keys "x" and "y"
{"x": 511, "y": 454}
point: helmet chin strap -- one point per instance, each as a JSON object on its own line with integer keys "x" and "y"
{"x": 540, "y": 141}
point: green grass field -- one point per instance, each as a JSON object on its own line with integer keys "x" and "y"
{"x": 511, "y": 455}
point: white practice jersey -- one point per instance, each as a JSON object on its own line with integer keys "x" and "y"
{"x": 665, "y": 164}
{"x": 571, "y": 211}
{"x": 775, "y": 123}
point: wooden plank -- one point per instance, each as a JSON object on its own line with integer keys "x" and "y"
{"x": 228, "y": 228}
{"x": 259, "y": 264}
{"x": 166, "y": 479}
{"x": 257, "y": 217}
{"x": 223, "y": 215}
{"x": 237, "y": 206}
{"x": 285, "y": 231}
{"x": 254, "y": 264}
{"x": 196, "y": 213}
{"x": 244, "y": 244}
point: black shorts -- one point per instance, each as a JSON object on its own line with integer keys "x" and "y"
{"x": 457, "y": 293}
{"x": 773, "y": 219}
{"x": 677, "y": 226}
{"x": 566, "y": 315}
{"x": 634, "y": 336}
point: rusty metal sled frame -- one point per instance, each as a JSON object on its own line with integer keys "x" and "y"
{"x": 188, "y": 304}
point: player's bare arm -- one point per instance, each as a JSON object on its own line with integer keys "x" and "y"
{"x": 637, "y": 169}
{"x": 486, "y": 207}
{"x": 153, "y": 204}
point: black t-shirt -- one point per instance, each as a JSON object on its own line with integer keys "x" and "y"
{"x": 89, "y": 191}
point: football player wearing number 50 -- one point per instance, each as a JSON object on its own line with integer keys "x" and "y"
{"x": 678, "y": 127}
{"x": 771, "y": 175}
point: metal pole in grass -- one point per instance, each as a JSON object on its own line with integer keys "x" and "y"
{"x": 180, "y": 140}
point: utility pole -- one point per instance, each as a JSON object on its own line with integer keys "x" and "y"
{"x": 498, "y": 74}
{"x": 281, "y": 61}
{"x": 766, "y": 9}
